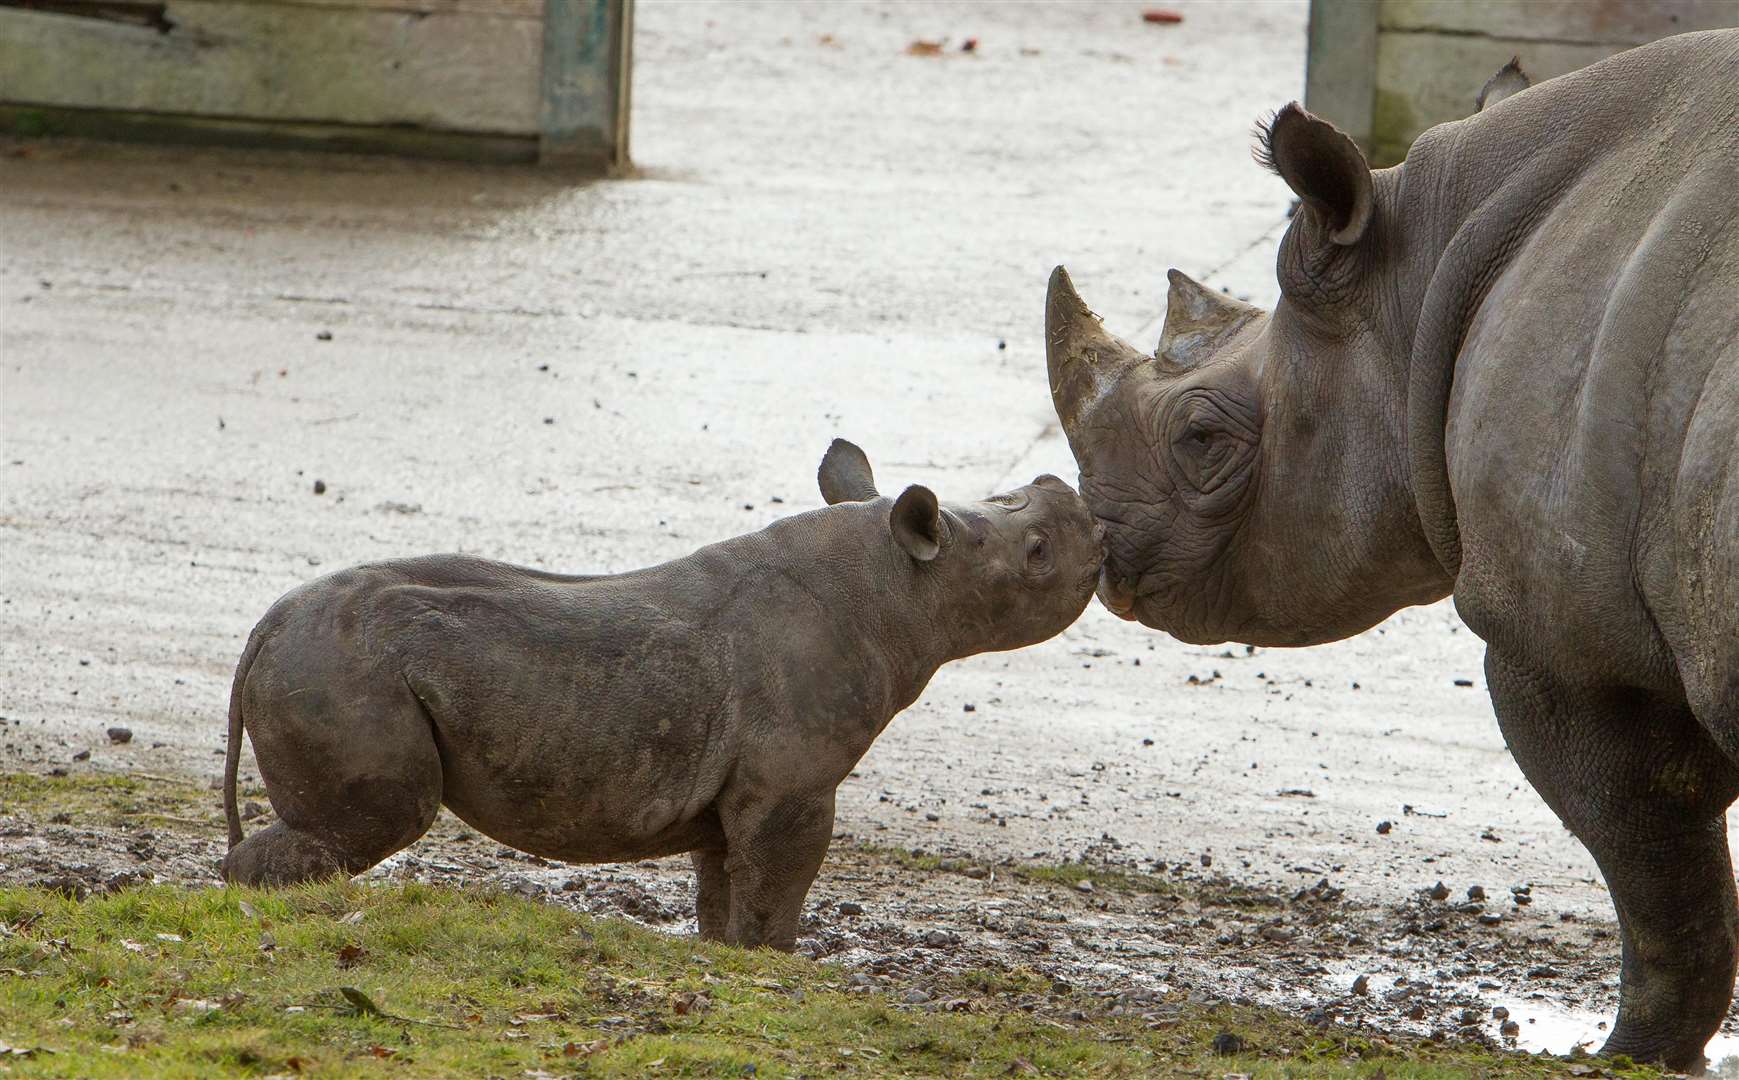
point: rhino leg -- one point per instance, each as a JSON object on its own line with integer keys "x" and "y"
{"x": 352, "y": 778}
{"x": 775, "y": 850}
{"x": 1644, "y": 788}
{"x": 712, "y": 906}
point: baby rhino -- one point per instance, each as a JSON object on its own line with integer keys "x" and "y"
{"x": 709, "y": 705}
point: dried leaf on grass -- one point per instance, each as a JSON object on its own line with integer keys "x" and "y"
{"x": 694, "y": 1001}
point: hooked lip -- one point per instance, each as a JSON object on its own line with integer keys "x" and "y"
{"x": 1118, "y": 598}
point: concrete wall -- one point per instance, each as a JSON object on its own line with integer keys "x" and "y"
{"x": 1385, "y": 70}
{"x": 516, "y": 79}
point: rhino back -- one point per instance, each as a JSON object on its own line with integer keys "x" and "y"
{"x": 826, "y": 641}
{"x": 1608, "y": 328}
{"x": 574, "y": 717}
{"x": 592, "y": 718}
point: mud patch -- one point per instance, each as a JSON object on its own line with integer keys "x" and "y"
{"x": 1102, "y": 937}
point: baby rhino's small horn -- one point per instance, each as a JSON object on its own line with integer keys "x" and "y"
{"x": 1085, "y": 361}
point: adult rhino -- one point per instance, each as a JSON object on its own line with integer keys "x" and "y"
{"x": 1506, "y": 369}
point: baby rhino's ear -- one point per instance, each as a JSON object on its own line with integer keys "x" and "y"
{"x": 916, "y": 522}
{"x": 845, "y": 474}
{"x": 1509, "y": 81}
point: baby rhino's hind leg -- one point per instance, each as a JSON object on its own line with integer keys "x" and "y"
{"x": 352, "y": 782}
{"x": 280, "y": 855}
{"x": 712, "y": 906}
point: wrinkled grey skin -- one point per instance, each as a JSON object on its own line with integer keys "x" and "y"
{"x": 1505, "y": 369}
{"x": 709, "y": 705}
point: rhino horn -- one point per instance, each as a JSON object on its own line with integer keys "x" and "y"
{"x": 1085, "y": 361}
{"x": 1196, "y": 319}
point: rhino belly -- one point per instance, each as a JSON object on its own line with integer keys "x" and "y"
{"x": 586, "y": 730}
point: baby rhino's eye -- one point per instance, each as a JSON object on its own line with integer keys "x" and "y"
{"x": 1038, "y": 552}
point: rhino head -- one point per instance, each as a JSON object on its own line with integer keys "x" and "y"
{"x": 1251, "y": 474}
{"x": 1005, "y": 572}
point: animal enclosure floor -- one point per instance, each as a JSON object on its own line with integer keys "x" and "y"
{"x": 910, "y": 924}
{"x": 828, "y": 233}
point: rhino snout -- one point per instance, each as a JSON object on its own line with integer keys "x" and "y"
{"x": 1117, "y": 595}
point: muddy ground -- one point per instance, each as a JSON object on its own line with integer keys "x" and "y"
{"x": 1446, "y": 965}
{"x": 224, "y": 373}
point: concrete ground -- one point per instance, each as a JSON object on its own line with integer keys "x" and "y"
{"x": 824, "y": 236}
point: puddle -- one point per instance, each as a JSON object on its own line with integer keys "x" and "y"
{"x": 1554, "y": 1029}
{"x": 1546, "y": 1026}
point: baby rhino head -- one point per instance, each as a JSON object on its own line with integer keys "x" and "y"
{"x": 1002, "y": 573}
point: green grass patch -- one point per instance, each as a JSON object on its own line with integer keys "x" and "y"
{"x": 416, "y": 980}
{"x": 908, "y": 859}
{"x": 110, "y": 800}
{"x": 1217, "y": 892}
{"x": 1070, "y": 874}
{"x": 410, "y": 981}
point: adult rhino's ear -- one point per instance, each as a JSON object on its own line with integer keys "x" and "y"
{"x": 1196, "y": 319}
{"x": 845, "y": 474}
{"x": 1509, "y": 80}
{"x": 916, "y": 521}
{"x": 1323, "y": 167}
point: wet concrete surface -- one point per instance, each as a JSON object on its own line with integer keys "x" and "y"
{"x": 825, "y": 235}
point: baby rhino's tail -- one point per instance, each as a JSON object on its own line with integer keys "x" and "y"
{"x": 233, "y": 752}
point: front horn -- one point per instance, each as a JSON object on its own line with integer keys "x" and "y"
{"x": 1085, "y": 361}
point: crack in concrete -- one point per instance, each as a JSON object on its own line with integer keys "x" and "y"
{"x": 1442, "y": 31}
{"x": 1045, "y": 431}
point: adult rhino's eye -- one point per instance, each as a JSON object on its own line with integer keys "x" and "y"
{"x": 1205, "y": 451}
{"x": 1207, "y": 441}
{"x": 1198, "y": 438}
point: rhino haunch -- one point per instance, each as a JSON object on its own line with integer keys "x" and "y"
{"x": 1507, "y": 369}
{"x": 709, "y": 705}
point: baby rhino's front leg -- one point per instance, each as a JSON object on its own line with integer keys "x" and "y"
{"x": 774, "y": 844}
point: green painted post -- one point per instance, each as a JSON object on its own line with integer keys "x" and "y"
{"x": 1340, "y": 67}
{"x": 587, "y": 68}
